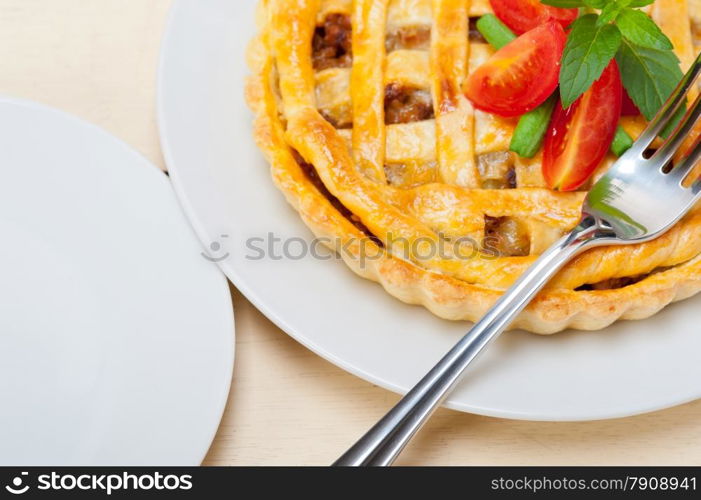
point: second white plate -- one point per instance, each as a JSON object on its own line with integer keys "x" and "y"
{"x": 225, "y": 187}
{"x": 116, "y": 335}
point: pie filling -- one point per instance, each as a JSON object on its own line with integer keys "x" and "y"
{"x": 331, "y": 46}
{"x": 409, "y": 38}
{"x": 419, "y": 37}
{"x": 311, "y": 174}
{"x": 696, "y": 27}
{"x": 616, "y": 283}
{"x": 338, "y": 123}
{"x": 406, "y": 176}
{"x": 406, "y": 104}
{"x": 613, "y": 283}
{"x": 505, "y": 237}
{"x": 497, "y": 170}
{"x": 474, "y": 34}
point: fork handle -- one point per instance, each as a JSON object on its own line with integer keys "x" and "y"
{"x": 381, "y": 445}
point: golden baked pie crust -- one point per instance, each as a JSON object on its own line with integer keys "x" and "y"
{"x": 284, "y": 94}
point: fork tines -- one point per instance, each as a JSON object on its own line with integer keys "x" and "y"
{"x": 664, "y": 119}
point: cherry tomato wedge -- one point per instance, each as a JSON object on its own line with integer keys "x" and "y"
{"x": 521, "y": 75}
{"x": 580, "y": 136}
{"x": 524, "y": 15}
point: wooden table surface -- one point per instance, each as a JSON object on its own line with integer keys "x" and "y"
{"x": 97, "y": 59}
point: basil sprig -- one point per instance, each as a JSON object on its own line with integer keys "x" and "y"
{"x": 587, "y": 53}
{"x": 648, "y": 74}
{"x": 649, "y": 69}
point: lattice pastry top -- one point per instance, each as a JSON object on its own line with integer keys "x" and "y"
{"x": 359, "y": 110}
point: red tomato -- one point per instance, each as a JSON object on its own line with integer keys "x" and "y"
{"x": 524, "y": 15}
{"x": 629, "y": 108}
{"x": 580, "y": 136}
{"x": 520, "y": 75}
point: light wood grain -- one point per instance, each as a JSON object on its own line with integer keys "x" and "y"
{"x": 97, "y": 59}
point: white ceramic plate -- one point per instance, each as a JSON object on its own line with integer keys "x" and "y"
{"x": 116, "y": 335}
{"x": 224, "y": 184}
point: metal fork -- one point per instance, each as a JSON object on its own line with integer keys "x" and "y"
{"x": 638, "y": 200}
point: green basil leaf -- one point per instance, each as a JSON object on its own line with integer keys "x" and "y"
{"x": 639, "y": 29}
{"x": 596, "y": 4}
{"x": 609, "y": 13}
{"x": 588, "y": 51}
{"x": 639, "y": 3}
{"x": 563, "y": 3}
{"x": 649, "y": 75}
